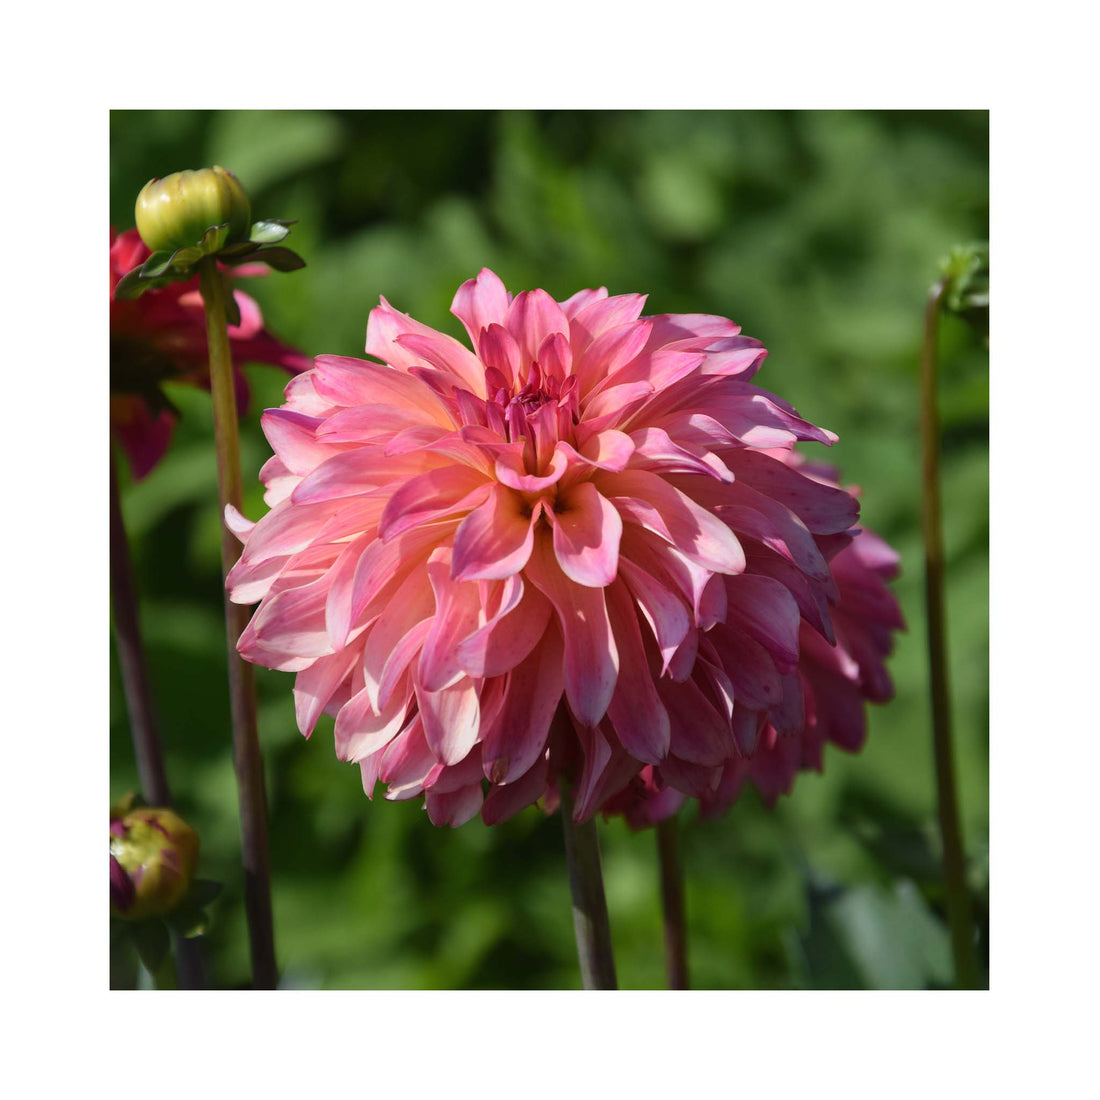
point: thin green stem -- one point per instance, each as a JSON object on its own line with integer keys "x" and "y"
{"x": 247, "y": 761}
{"x": 672, "y": 902}
{"x": 590, "y": 922}
{"x": 144, "y": 731}
{"x": 954, "y": 859}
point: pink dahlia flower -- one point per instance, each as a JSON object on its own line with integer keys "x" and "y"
{"x": 161, "y": 337}
{"x": 528, "y": 562}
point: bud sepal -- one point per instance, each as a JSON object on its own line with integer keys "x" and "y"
{"x": 163, "y": 267}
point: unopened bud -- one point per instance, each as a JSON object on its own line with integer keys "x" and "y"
{"x": 176, "y": 211}
{"x": 154, "y": 853}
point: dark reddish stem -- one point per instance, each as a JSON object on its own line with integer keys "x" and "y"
{"x": 954, "y": 859}
{"x": 590, "y": 921}
{"x": 672, "y": 902}
{"x": 247, "y": 761}
{"x": 144, "y": 731}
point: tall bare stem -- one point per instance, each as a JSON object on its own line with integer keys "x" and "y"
{"x": 954, "y": 860}
{"x": 247, "y": 761}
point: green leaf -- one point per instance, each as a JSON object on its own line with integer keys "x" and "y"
{"x": 235, "y": 253}
{"x": 268, "y": 232}
{"x": 157, "y": 264}
{"x": 280, "y": 259}
{"x": 872, "y": 937}
{"x": 130, "y": 286}
{"x": 151, "y": 940}
{"x": 185, "y": 258}
{"x": 214, "y": 238}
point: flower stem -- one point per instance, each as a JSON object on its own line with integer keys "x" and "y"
{"x": 247, "y": 761}
{"x": 590, "y": 923}
{"x": 672, "y": 902}
{"x": 144, "y": 732}
{"x": 954, "y": 860}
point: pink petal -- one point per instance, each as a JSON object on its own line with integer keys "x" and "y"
{"x": 665, "y": 613}
{"x": 481, "y": 302}
{"x": 494, "y": 541}
{"x": 447, "y": 354}
{"x": 653, "y": 503}
{"x": 457, "y": 606}
{"x": 587, "y": 530}
{"x": 430, "y": 496}
{"x": 316, "y": 685}
{"x": 362, "y": 730}
{"x": 591, "y": 658}
{"x": 498, "y": 350}
{"x": 508, "y": 637}
{"x": 517, "y": 735}
{"x": 451, "y": 719}
{"x": 532, "y": 318}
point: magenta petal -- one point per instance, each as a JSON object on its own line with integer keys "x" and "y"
{"x": 454, "y": 808}
{"x": 503, "y": 802}
{"x": 767, "y": 612}
{"x": 636, "y": 711}
{"x": 700, "y": 734}
{"x": 824, "y": 509}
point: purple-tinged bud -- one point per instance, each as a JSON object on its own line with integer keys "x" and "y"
{"x": 122, "y": 889}
{"x": 154, "y": 853}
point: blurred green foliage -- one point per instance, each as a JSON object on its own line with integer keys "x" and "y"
{"x": 820, "y": 233}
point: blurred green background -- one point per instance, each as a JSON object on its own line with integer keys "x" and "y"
{"x": 819, "y": 232}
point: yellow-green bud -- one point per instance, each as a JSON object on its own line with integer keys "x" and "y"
{"x": 154, "y": 853}
{"x": 176, "y": 211}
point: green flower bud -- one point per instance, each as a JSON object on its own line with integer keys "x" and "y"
{"x": 176, "y": 211}
{"x": 157, "y": 852}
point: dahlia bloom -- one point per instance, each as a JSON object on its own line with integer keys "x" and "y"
{"x": 161, "y": 337}
{"x": 529, "y": 562}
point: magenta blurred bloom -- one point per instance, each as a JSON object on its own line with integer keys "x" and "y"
{"x": 161, "y": 337}
{"x": 569, "y": 554}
